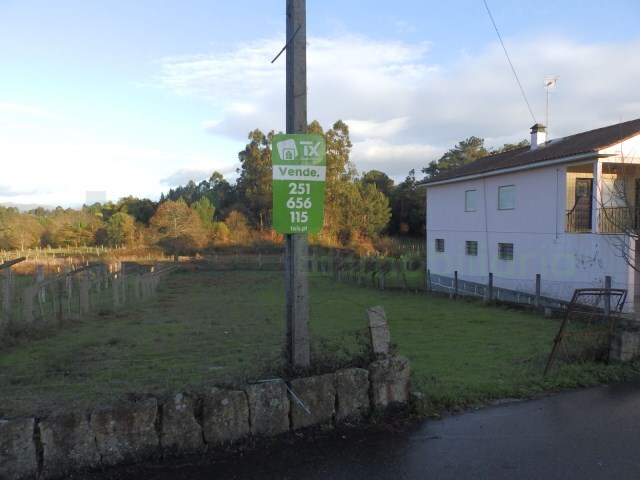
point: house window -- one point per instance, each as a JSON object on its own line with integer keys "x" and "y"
{"x": 470, "y": 201}
{"x": 439, "y": 244}
{"x": 471, "y": 247}
{"x": 614, "y": 193}
{"x": 505, "y": 251}
{"x": 507, "y": 197}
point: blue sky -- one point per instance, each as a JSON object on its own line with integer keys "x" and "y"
{"x": 134, "y": 97}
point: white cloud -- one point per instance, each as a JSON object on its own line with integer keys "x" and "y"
{"x": 393, "y": 159}
{"x": 376, "y": 129}
{"x": 27, "y": 110}
{"x": 404, "y": 111}
{"x": 184, "y": 175}
{"x": 226, "y": 76}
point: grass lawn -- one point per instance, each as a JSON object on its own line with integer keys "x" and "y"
{"x": 209, "y": 328}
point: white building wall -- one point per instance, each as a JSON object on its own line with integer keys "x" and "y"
{"x": 535, "y": 227}
{"x": 627, "y": 151}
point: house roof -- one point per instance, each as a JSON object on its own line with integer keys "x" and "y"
{"x": 556, "y": 149}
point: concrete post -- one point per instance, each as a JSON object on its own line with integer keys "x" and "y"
{"x": 296, "y": 248}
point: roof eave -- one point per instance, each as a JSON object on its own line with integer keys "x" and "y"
{"x": 530, "y": 166}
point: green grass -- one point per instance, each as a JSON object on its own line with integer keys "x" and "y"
{"x": 209, "y": 328}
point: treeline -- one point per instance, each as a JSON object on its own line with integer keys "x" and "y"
{"x": 358, "y": 208}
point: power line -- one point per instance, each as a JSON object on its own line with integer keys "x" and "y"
{"x": 511, "y": 64}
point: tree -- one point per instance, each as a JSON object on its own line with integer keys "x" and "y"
{"x": 140, "y": 209}
{"x": 341, "y": 173}
{"x": 121, "y": 229}
{"x": 206, "y": 211}
{"x": 222, "y": 194}
{"x": 23, "y": 231}
{"x": 375, "y": 210}
{"x": 359, "y": 210}
{"x": 408, "y": 207}
{"x": 74, "y": 228}
{"x": 7, "y": 214}
{"x": 237, "y": 227}
{"x": 339, "y": 166}
{"x": 513, "y": 146}
{"x": 464, "y": 152}
{"x": 381, "y": 181}
{"x": 254, "y": 182}
{"x": 178, "y": 228}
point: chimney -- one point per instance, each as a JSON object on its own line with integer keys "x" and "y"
{"x": 538, "y": 135}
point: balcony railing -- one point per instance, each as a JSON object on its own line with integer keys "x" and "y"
{"x": 610, "y": 220}
{"x": 578, "y": 221}
{"x": 617, "y": 219}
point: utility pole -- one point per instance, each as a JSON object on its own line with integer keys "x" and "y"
{"x": 296, "y": 248}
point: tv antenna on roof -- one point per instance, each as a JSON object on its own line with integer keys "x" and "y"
{"x": 549, "y": 85}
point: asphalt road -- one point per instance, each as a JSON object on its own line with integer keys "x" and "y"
{"x": 585, "y": 434}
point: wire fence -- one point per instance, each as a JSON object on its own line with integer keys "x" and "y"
{"x": 133, "y": 330}
{"x": 186, "y": 337}
{"x": 408, "y": 273}
{"x": 44, "y": 297}
{"x": 535, "y": 292}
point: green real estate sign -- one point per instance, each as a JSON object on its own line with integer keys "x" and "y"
{"x": 299, "y": 172}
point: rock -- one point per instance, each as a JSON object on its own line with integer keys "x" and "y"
{"x": 126, "y": 433}
{"x": 389, "y": 380}
{"x": 268, "y": 408}
{"x": 318, "y": 394}
{"x": 17, "y": 449}
{"x": 379, "y": 331}
{"x": 624, "y": 347}
{"x": 68, "y": 443}
{"x": 225, "y": 416}
{"x": 180, "y": 432}
{"x": 352, "y": 389}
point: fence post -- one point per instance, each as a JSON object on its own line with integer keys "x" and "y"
{"x": 84, "y": 292}
{"x": 6, "y": 289}
{"x": 68, "y": 287}
{"x": 455, "y": 284}
{"x": 489, "y": 296}
{"x": 39, "y": 280}
{"x": 28, "y": 294}
{"x": 607, "y": 296}
{"x": 537, "y": 301}
{"x": 115, "y": 287}
{"x": 56, "y": 296}
{"x": 137, "y": 284}
{"x": 428, "y": 280}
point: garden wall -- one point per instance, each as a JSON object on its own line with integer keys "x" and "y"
{"x": 69, "y": 442}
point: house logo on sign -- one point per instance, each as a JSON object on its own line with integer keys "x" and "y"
{"x": 288, "y": 150}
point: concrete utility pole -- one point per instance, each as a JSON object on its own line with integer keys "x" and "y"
{"x": 296, "y": 253}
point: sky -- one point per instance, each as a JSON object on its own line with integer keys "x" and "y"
{"x": 134, "y": 97}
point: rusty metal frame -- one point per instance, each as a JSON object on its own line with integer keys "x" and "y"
{"x": 604, "y": 311}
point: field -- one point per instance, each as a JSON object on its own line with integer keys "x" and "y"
{"x": 206, "y": 328}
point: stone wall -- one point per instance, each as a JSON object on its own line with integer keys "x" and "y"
{"x": 624, "y": 346}
{"x": 69, "y": 442}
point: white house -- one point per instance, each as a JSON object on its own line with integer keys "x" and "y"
{"x": 566, "y": 209}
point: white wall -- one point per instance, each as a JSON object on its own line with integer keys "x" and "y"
{"x": 535, "y": 227}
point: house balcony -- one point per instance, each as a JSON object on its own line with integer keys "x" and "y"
{"x": 611, "y": 220}
{"x": 617, "y": 219}
{"x": 578, "y": 222}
